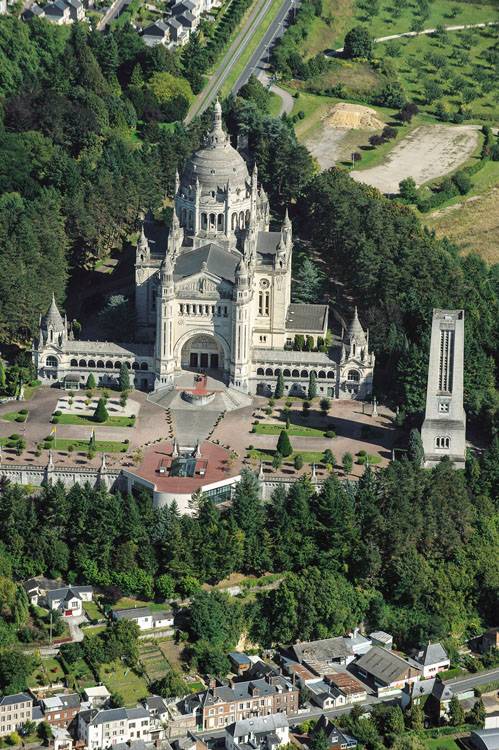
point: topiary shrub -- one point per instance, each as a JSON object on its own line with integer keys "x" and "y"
{"x": 330, "y": 434}
{"x": 23, "y": 411}
{"x": 55, "y": 420}
{"x": 58, "y": 413}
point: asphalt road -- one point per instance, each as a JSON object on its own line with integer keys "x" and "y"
{"x": 112, "y": 12}
{"x": 474, "y": 680}
{"x": 236, "y": 49}
{"x": 275, "y": 29}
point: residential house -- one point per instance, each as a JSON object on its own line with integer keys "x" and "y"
{"x": 380, "y": 638}
{"x": 322, "y": 656}
{"x": 58, "y": 12}
{"x": 222, "y": 705}
{"x": 299, "y": 673}
{"x": 178, "y": 35}
{"x": 176, "y": 723}
{"x": 15, "y": 710}
{"x": 488, "y": 640}
{"x": 260, "y": 733}
{"x": 336, "y": 738}
{"x": 432, "y": 660}
{"x": 50, "y": 594}
{"x": 60, "y": 710}
{"x": 156, "y": 33}
{"x": 34, "y": 11}
{"x": 76, "y": 9}
{"x": 145, "y": 618}
{"x": 97, "y": 696}
{"x": 385, "y": 671}
{"x": 325, "y": 695}
{"x": 353, "y": 690}
{"x": 61, "y": 739}
{"x": 105, "y": 727}
{"x": 433, "y": 695}
{"x": 240, "y": 662}
{"x": 485, "y": 739}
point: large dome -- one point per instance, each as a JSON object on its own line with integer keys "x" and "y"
{"x": 216, "y": 163}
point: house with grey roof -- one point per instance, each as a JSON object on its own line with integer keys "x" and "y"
{"x": 15, "y": 710}
{"x": 385, "y": 671}
{"x": 146, "y": 618}
{"x": 323, "y": 655}
{"x": 258, "y": 733}
{"x": 33, "y": 11}
{"x": 59, "y": 710}
{"x": 433, "y": 695}
{"x": 50, "y": 594}
{"x": 325, "y": 695}
{"x": 432, "y": 660}
{"x": 105, "y": 727}
{"x": 337, "y": 739}
{"x": 156, "y": 33}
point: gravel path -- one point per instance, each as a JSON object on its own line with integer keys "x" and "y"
{"x": 428, "y": 152}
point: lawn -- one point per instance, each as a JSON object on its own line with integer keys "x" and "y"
{"x": 339, "y": 16}
{"x": 127, "y": 602}
{"x": 441, "y": 743}
{"x": 13, "y": 416}
{"x": 92, "y": 611}
{"x": 266, "y": 454}
{"x": 90, "y": 420}
{"x": 101, "y": 446}
{"x": 50, "y": 671}
{"x": 294, "y": 430}
{"x": 119, "y": 678}
{"x": 79, "y": 675}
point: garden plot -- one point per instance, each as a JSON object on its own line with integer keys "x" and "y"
{"x": 430, "y": 151}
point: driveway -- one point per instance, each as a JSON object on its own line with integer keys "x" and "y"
{"x": 74, "y": 627}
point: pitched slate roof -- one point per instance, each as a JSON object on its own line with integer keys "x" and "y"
{"x": 114, "y": 714}
{"x": 53, "y": 317}
{"x": 218, "y": 262}
{"x": 385, "y": 666}
{"x": 131, "y": 614}
{"x": 433, "y": 653}
{"x": 258, "y": 725}
{"x": 306, "y": 317}
{"x": 10, "y": 700}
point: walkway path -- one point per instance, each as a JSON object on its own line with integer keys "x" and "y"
{"x": 287, "y": 101}
{"x": 461, "y": 27}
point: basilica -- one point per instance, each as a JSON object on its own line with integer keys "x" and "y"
{"x": 214, "y": 295}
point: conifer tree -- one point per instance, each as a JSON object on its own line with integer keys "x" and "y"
{"x": 284, "y": 444}
{"x": 124, "y": 377}
{"x": 91, "y": 381}
{"x": 279, "y": 387}
{"x": 312, "y": 386}
{"x": 100, "y": 413}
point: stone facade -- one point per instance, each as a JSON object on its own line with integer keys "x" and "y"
{"x": 215, "y": 295}
{"x": 444, "y": 427}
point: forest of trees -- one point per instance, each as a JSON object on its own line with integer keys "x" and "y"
{"x": 405, "y": 550}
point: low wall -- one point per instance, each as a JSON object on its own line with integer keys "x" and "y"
{"x": 67, "y": 475}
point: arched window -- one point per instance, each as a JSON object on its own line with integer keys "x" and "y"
{"x": 304, "y": 374}
{"x": 212, "y": 221}
{"x": 353, "y": 376}
{"x": 100, "y": 364}
{"x": 241, "y": 219}
{"x": 330, "y": 375}
{"x": 276, "y": 372}
{"x": 74, "y": 363}
{"x": 128, "y": 364}
{"x": 117, "y": 365}
{"x": 295, "y": 374}
{"x": 286, "y": 373}
{"x": 52, "y": 362}
{"x": 442, "y": 441}
{"x": 144, "y": 366}
{"x": 82, "y": 363}
{"x": 322, "y": 374}
{"x": 135, "y": 366}
{"x": 247, "y": 217}
{"x": 91, "y": 363}
{"x": 234, "y": 221}
{"x": 220, "y": 222}
{"x": 109, "y": 365}
{"x": 204, "y": 221}
{"x": 260, "y": 371}
{"x": 269, "y": 371}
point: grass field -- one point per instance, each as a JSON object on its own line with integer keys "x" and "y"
{"x": 268, "y": 428}
{"x": 121, "y": 679}
{"x": 110, "y": 422}
{"x": 92, "y": 611}
{"x": 101, "y": 446}
{"x": 473, "y": 223}
{"x": 80, "y": 675}
{"x": 442, "y": 743}
{"x": 339, "y": 16}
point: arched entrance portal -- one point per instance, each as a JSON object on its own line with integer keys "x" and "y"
{"x": 202, "y": 352}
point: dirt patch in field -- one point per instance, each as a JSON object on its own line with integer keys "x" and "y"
{"x": 353, "y": 117}
{"x": 430, "y": 151}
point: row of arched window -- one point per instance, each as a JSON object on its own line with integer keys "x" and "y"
{"x": 442, "y": 441}
{"x": 100, "y": 364}
{"x": 269, "y": 372}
